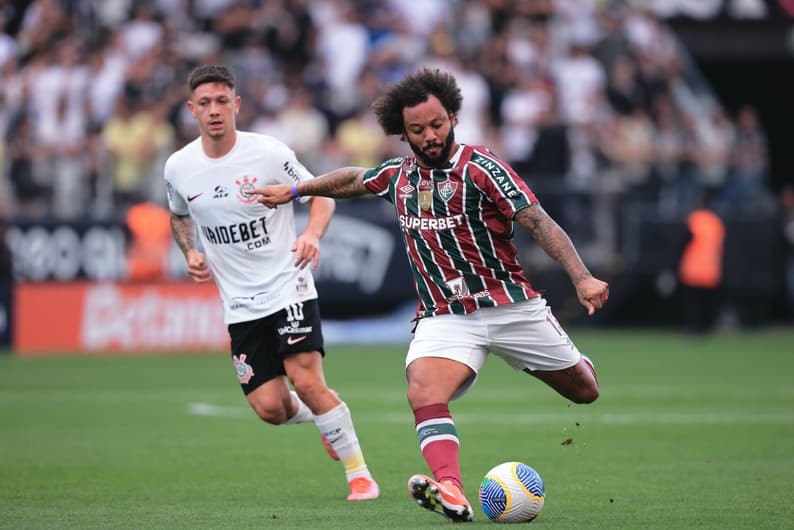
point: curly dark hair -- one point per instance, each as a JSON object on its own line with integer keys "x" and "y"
{"x": 211, "y": 73}
{"x": 413, "y": 90}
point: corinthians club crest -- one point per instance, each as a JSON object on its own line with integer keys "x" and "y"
{"x": 244, "y": 194}
{"x": 244, "y": 370}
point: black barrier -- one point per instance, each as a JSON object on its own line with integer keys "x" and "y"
{"x": 6, "y": 290}
{"x": 52, "y": 250}
{"x": 6, "y": 320}
{"x": 753, "y": 281}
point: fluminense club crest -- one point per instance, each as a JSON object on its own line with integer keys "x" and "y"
{"x": 446, "y": 189}
{"x": 243, "y": 369}
{"x": 244, "y": 192}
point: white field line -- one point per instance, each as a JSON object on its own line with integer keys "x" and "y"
{"x": 206, "y": 409}
{"x": 495, "y": 418}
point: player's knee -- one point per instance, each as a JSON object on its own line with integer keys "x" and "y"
{"x": 588, "y": 391}
{"x": 270, "y": 412}
{"x": 417, "y": 394}
{"x": 420, "y": 394}
{"x": 309, "y": 390}
{"x": 586, "y": 394}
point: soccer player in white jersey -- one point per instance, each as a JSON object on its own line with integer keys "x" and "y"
{"x": 456, "y": 205}
{"x": 259, "y": 266}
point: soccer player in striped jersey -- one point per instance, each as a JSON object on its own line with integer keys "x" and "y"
{"x": 259, "y": 265}
{"x": 456, "y": 205}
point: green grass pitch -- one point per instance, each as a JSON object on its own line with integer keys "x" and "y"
{"x": 688, "y": 433}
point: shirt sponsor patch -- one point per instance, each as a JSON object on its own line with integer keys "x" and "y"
{"x": 410, "y": 222}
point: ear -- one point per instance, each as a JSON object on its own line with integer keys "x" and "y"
{"x": 453, "y": 120}
{"x": 190, "y": 108}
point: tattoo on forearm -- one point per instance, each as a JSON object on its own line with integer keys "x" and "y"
{"x": 342, "y": 183}
{"x": 553, "y": 240}
{"x": 182, "y": 228}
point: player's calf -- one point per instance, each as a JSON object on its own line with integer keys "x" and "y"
{"x": 578, "y": 383}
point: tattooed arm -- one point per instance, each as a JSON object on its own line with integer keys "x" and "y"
{"x": 342, "y": 183}
{"x": 184, "y": 231}
{"x": 592, "y": 292}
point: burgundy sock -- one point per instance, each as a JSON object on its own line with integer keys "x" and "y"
{"x": 438, "y": 440}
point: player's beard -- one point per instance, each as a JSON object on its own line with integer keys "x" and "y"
{"x": 443, "y": 156}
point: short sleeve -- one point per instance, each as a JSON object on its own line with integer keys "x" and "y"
{"x": 176, "y": 203}
{"x": 378, "y": 180}
{"x": 501, "y": 184}
{"x": 286, "y": 168}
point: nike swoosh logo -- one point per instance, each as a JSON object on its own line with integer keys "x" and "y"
{"x": 191, "y": 198}
{"x": 295, "y": 340}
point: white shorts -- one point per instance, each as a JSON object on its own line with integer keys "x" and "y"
{"x": 525, "y": 334}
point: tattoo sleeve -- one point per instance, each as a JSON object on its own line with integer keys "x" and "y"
{"x": 183, "y": 230}
{"x": 553, "y": 239}
{"x": 342, "y": 183}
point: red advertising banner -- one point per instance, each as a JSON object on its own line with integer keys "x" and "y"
{"x": 88, "y": 317}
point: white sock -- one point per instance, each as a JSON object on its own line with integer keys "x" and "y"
{"x": 337, "y": 427}
{"x": 304, "y": 414}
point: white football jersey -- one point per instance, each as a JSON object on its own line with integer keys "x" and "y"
{"x": 248, "y": 246}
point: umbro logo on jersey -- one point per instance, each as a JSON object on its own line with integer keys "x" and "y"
{"x": 191, "y": 198}
{"x": 406, "y": 192}
{"x": 220, "y": 192}
{"x": 295, "y": 340}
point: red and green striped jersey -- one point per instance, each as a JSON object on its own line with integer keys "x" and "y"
{"x": 457, "y": 225}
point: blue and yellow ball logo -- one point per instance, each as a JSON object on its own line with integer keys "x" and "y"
{"x": 512, "y": 493}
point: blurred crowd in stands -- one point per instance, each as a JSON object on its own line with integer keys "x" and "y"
{"x": 591, "y": 101}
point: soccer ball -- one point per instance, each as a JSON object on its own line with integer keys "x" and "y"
{"x": 512, "y": 493}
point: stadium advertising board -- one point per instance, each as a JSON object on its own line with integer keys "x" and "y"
{"x": 53, "y": 318}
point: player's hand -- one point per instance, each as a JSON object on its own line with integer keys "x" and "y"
{"x": 307, "y": 250}
{"x": 592, "y": 293}
{"x": 197, "y": 267}
{"x": 272, "y": 196}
